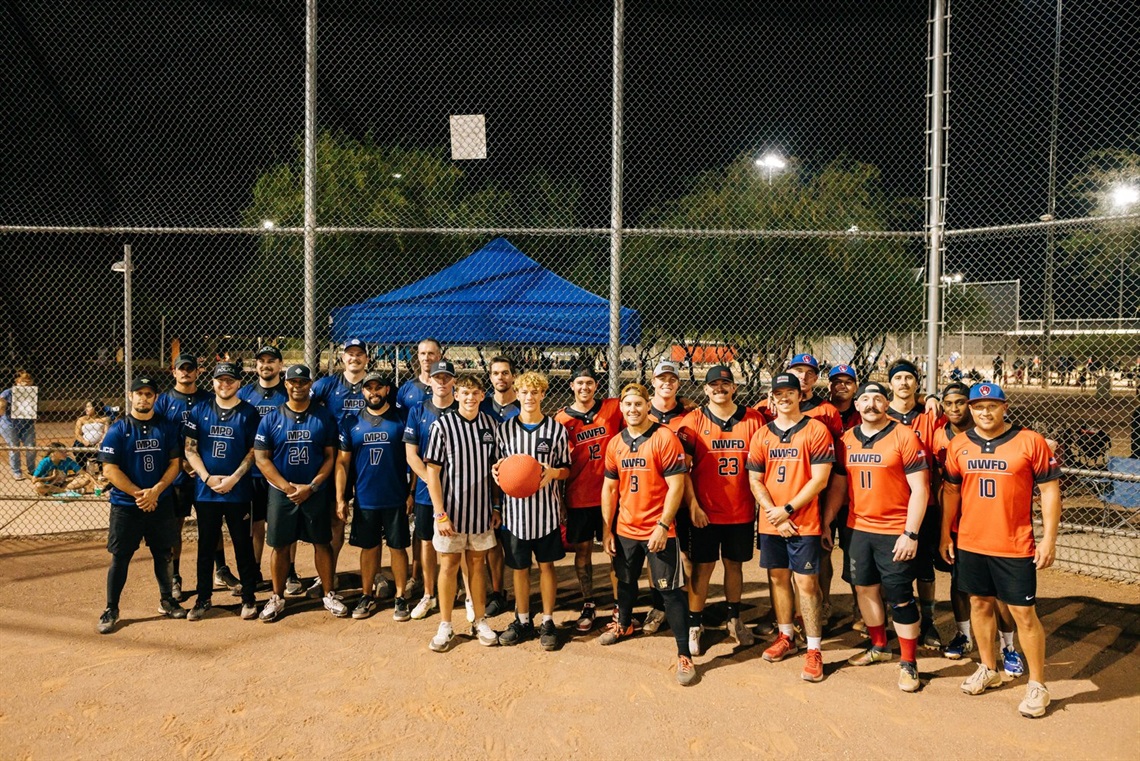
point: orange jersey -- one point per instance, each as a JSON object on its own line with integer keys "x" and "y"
{"x": 640, "y": 466}
{"x": 674, "y": 420}
{"x": 924, "y": 425}
{"x": 720, "y": 455}
{"x": 940, "y": 445}
{"x": 850, "y": 418}
{"x": 589, "y": 433}
{"x": 876, "y": 467}
{"x": 996, "y": 479}
{"x": 784, "y": 458}
{"x": 816, "y": 408}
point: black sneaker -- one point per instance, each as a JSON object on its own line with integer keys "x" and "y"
{"x": 496, "y": 604}
{"x": 401, "y": 612}
{"x": 108, "y": 620}
{"x": 223, "y": 577}
{"x": 548, "y": 636}
{"x": 199, "y": 610}
{"x": 293, "y": 586}
{"x": 171, "y": 609}
{"x": 176, "y": 589}
{"x": 365, "y": 608}
{"x": 517, "y": 632}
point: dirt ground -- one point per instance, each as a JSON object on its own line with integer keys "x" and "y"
{"x": 314, "y": 686}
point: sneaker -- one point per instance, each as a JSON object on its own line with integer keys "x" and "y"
{"x": 614, "y": 632}
{"x": 294, "y": 587}
{"x": 981, "y": 680}
{"x": 930, "y": 638}
{"x": 908, "y": 677}
{"x": 858, "y": 626}
{"x": 365, "y": 608}
{"x": 958, "y": 647}
{"x": 400, "y": 612}
{"x": 384, "y": 586}
{"x": 171, "y": 609}
{"x": 654, "y": 620}
{"x": 548, "y": 636}
{"x": 18, "y": 476}
{"x": 1012, "y": 662}
{"x": 695, "y": 633}
{"x": 496, "y": 604}
{"x": 410, "y": 588}
{"x": 424, "y": 607}
{"x": 798, "y": 627}
{"x": 316, "y": 590}
{"x": 108, "y": 620}
{"x": 780, "y": 649}
{"x": 443, "y": 639}
{"x": 199, "y": 610}
{"x": 586, "y": 618}
{"x": 516, "y": 632}
{"x": 272, "y": 608}
{"x": 248, "y": 612}
{"x": 766, "y": 628}
{"x": 485, "y": 634}
{"x": 335, "y": 605}
{"x": 686, "y": 671}
{"x": 1035, "y": 702}
{"x": 225, "y": 579}
{"x": 469, "y": 606}
{"x": 176, "y": 588}
{"x": 871, "y": 655}
{"x": 813, "y": 667}
{"x": 740, "y": 633}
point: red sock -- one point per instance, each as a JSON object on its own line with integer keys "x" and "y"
{"x": 908, "y": 649}
{"x": 878, "y": 635}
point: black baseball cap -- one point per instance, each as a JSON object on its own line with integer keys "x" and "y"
{"x": 272, "y": 351}
{"x": 381, "y": 377}
{"x": 443, "y": 367}
{"x": 144, "y": 381}
{"x": 299, "y": 372}
{"x": 227, "y": 368}
{"x": 719, "y": 373}
{"x": 958, "y": 388}
{"x": 186, "y": 359}
{"x": 785, "y": 380}
{"x": 873, "y": 387}
{"x": 585, "y": 371}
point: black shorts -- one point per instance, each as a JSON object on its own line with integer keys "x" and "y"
{"x": 1011, "y": 580}
{"x": 583, "y": 524}
{"x": 801, "y": 554}
{"x": 310, "y": 521}
{"x": 927, "y": 558}
{"x": 683, "y": 526}
{"x": 183, "y": 497}
{"x": 425, "y": 521}
{"x": 371, "y": 528}
{"x": 731, "y": 541}
{"x": 260, "y": 499}
{"x": 666, "y": 571}
{"x": 129, "y": 526}
{"x": 844, "y": 532}
{"x": 517, "y": 553}
{"x": 870, "y": 561}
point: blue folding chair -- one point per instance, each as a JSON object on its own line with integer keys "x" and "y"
{"x": 1124, "y": 495}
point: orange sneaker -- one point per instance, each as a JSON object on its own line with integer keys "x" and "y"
{"x": 813, "y": 667}
{"x": 614, "y": 632}
{"x": 780, "y": 649}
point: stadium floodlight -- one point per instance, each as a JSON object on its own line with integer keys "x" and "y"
{"x": 771, "y": 162}
{"x": 397, "y": 175}
{"x": 1124, "y": 196}
{"x": 268, "y": 224}
{"x": 954, "y": 278}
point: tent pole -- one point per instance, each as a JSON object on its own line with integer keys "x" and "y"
{"x": 614, "y": 360}
{"x": 310, "y": 188}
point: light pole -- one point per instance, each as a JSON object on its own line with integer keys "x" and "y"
{"x": 771, "y": 162}
{"x": 126, "y": 268}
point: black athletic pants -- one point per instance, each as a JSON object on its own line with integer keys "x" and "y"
{"x": 237, "y": 518}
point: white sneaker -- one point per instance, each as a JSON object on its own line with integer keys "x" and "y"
{"x": 335, "y": 605}
{"x": 424, "y": 607}
{"x": 740, "y": 633}
{"x": 981, "y": 680}
{"x": 272, "y": 609}
{"x": 470, "y": 606}
{"x": 654, "y": 620}
{"x": 1035, "y": 702}
{"x": 486, "y": 635}
{"x": 316, "y": 590}
{"x": 695, "y": 633}
{"x": 443, "y": 638}
{"x": 248, "y": 612}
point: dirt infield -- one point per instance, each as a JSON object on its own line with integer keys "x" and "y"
{"x": 313, "y": 686}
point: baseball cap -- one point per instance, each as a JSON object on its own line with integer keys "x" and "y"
{"x": 272, "y": 351}
{"x": 961, "y": 389}
{"x": 785, "y": 380}
{"x": 185, "y": 359}
{"x": 842, "y": 369}
{"x": 806, "y": 360}
{"x": 353, "y": 342}
{"x": 873, "y": 387}
{"x": 298, "y": 372}
{"x": 635, "y": 389}
{"x": 585, "y": 371}
{"x": 443, "y": 367}
{"x": 665, "y": 366}
{"x": 374, "y": 376}
{"x": 986, "y": 392}
{"x": 719, "y": 373}
{"x": 144, "y": 381}
{"x": 903, "y": 366}
{"x": 227, "y": 368}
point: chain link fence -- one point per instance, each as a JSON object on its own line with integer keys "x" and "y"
{"x": 771, "y": 197}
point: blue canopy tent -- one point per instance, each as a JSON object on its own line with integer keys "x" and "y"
{"x": 495, "y": 295}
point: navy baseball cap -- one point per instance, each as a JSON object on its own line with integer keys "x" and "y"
{"x": 666, "y": 366}
{"x": 785, "y": 380}
{"x": 186, "y": 359}
{"x": 719, "y": 373}
{"x": 986, "y": 392}
{"x": 873, "y": 387}
{"x": 956, "y": 388}
{"x": 443, "y": 367}
{"x": 299, "y": 372}
{"x": 272, "y": 351}
{"x": 144, "y": 381}
{"x": 227, "y": 368}
{"x": 584, "y": 371}
{"x": 903, "y": 366}
{"x": 379, "y": 377}
{"x": 354, "y": 342}
{"x": 842, "y": 369}
{"x": 806, "y": 360}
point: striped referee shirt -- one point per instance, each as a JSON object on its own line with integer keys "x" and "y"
{"x": 537, "y": 515}
{"x": 465, "y": 450}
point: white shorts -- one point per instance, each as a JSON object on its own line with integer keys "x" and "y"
{"x": 460, "y": 542}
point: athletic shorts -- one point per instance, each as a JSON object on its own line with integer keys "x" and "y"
{"x": 870, "y": 561}
{"x": 731, "y": 541}
{"x": 1011, "y": 580}
{"x": 801, "y": 554}
{"x": 844, "y": 532}
{"x": 183, "y": 497}
{"x": 584, "y": 524}
{"x": 130, "y": 525}
{"x": 425, "y": 521}
{"x": 666, "y": 572}
{"x": 371, "y": 528}
{"x": 683, "y": 527}
{"x": 460, "y": 542}
{"x": 927, "y": 558}
{"x": 261, "y": 489}
{"x": 309, "y": 521}
{"x": 518, "y": 553}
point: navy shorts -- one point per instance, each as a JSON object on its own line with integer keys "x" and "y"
{"x": 371, "y": 528}
{"x": 425, "y": 521}
{"x": 517, "y": 553}
{"x": 1011, "y": 580}
{"x": 130, "y": 525}
{"x": 870, "y": 561}
{"x": 799, "y": 553}
{"x": 583, "y": 524}
{"x": 182, "y": 495}
{"x": 310, "y": 521}
{"x": 260, "y": 499}
{"x": 666, "y": 571}
{"x": 731, "y": 541}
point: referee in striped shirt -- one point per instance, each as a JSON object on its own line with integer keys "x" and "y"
{"x": 531, "y": 525}
{"x": 465, "y": 504}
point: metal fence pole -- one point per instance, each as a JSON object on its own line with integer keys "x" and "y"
{"x": 614, "y": 357}
{"x": 934, "y": 202}
{"x": 1051, "y": 242}
{"x": 128, "y": 339}
{"x": 310, "y": 183}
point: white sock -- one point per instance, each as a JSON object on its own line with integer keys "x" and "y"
{"x": 546, "y": 618}
{"x": 1006, "y": 639}
{"x": 964, "y": 628}
{"x": 787, "y": 630}
{"x": 524, "y": 618}
{"x": 815, "y": 643}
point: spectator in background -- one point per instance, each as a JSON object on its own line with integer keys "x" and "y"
{"x": 18, "y": 423}
{"x": 58, "y": 473}
{"x": 90, "y": 428}
{"x": 999, "y": 368}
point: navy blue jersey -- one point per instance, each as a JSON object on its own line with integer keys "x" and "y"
{"x": 339, "y": 397}
{"x": 174, "y": 406}
{"x": 142, "y": 449}
{"x": 417, "y": 430}
{"x": 224, "y": 439}
{"x": 379, "y": 458}
{"x": 265, "y": 400}
{"x": 502, "y": 413}
{"x": 297, "y": 440}
{"x": 412, "y": 393}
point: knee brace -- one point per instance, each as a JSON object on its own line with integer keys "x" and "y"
{"x": 904, "y": 611}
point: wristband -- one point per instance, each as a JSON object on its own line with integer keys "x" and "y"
{"x": 441, "y": 518}
{"x": 314, "y": 487}
{"x": 663, "y": 525}
{"x": 497, "y": 508}
{"x": 910, "y": 535}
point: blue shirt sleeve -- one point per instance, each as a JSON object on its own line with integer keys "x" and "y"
{"x": 263, "y": 439}
{"x": 113, "y": 449}
{"x": 412, "y": 427}
{"x": 43, "y": 468}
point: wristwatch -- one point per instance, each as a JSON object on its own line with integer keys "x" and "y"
{"x": 663, "y": 525}
{"x": 314, "y": 487}
{"x": 910, "y": 535}
{"x": 789, "y": 509}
